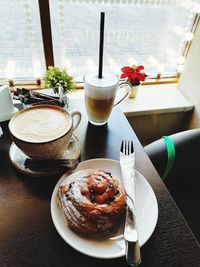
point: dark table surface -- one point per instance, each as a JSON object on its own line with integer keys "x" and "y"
{"x": 28, "y": 236}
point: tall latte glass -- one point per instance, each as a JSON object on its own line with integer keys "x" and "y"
{"x": 100, "y": 96}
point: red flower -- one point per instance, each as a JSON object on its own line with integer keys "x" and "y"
{"x": 135, "y": 74}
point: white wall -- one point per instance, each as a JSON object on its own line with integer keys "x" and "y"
{"x": 189, "y": 83}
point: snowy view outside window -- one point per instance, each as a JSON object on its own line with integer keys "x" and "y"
{"x": 153, "y": 33}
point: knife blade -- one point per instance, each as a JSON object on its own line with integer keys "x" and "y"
{"x": 127, "y": 164}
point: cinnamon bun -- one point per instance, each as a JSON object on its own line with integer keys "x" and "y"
{"x": 91, "y": 201}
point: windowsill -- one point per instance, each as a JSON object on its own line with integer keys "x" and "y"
{"x": 152, "y": 99}
{"x": 156, "y": 99}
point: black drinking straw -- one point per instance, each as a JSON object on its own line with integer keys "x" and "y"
{"x": 101, "y": 44}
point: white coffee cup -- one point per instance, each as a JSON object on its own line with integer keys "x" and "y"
{"x": 7, "y": 108}
{"x": 43, "y": 131}
{"x": 100, "y": 96}
{"x": 1, "y": 132}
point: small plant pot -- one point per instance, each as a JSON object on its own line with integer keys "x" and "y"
{"x": 134, "y": 91}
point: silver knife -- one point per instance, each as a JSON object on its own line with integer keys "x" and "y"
{"x": 127, "y": 164}
{"x": 133, "y": 256}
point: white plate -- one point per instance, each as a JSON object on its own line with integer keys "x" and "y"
{"x": 146, "y": 212}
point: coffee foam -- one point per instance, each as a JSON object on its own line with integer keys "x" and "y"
{"x": 104, "y": 88}
{"x": 40, "y": 124}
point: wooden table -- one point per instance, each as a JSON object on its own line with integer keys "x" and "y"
{"x": 28, "y": 236}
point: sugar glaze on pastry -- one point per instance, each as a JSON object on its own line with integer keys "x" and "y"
{"x": 91, "y": 200}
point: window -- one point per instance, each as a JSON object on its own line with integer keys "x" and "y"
{"x": 154, "y": 33}
{"x": 21, "y": 49}
{"x": 151, "y": 33}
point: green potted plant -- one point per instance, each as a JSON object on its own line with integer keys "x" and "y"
{"x": 56, "y": 77}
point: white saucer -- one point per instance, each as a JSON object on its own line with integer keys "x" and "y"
{"x": 7, "y": 116}
{"x": 109, "y": 246}
{"x": 18, "y": 159}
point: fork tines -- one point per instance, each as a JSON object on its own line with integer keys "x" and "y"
{"x": 127, "y": 147}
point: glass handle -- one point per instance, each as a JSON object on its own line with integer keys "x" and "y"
{"x": 121, "y": 85}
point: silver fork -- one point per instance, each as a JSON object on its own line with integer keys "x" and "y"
{"x": 127, "y": 163}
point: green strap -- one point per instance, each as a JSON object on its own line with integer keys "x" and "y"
{"x": 170, "y": 155}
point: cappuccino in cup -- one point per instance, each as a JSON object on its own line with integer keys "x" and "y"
{"x": 43, "y": 131}
{"x": 100, "y": 96}
{"x": 41, "y": 124}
